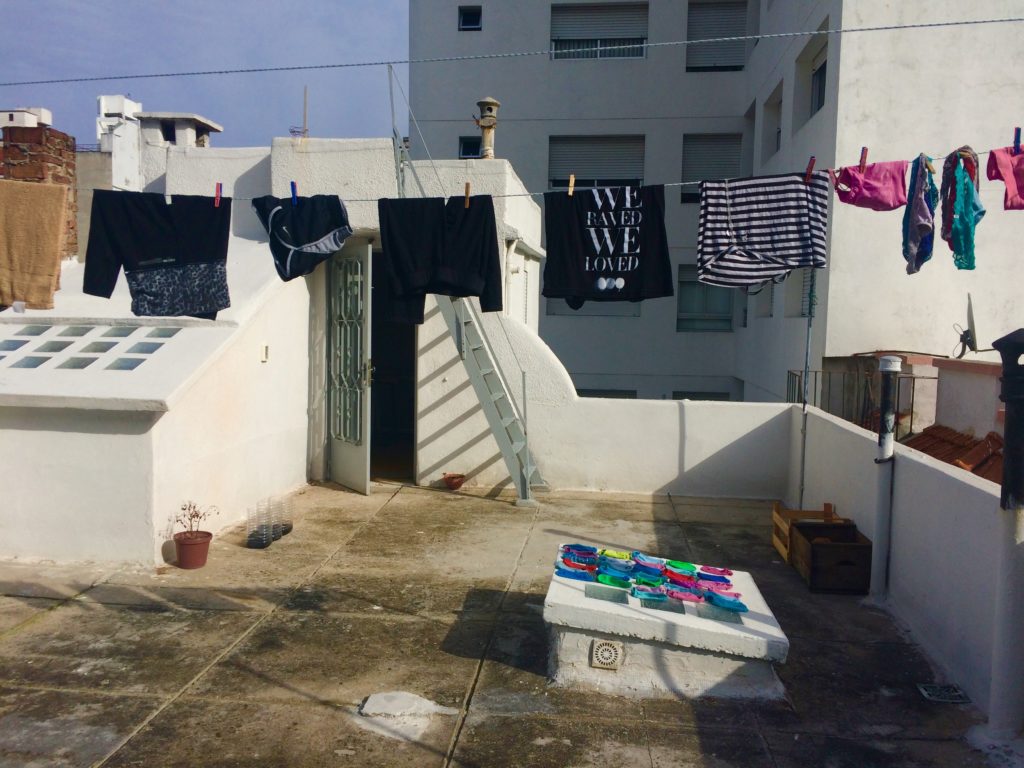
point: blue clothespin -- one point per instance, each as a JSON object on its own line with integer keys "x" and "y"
{"x": 1016, "y": 141}
{"x": 295, "y": 194}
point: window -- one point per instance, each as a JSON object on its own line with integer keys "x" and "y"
{"x": 711, "y": 20}
{"x": 470, "y": 18}
{"x": 709, "y": 156}
{"x": 701, "y": 307}
{"x": 616, "y": 31}
{"x": 469, "y": 147}
{"x": 618, "y": 394}
{"x": 818, "y": 86}
{"x": 771, "y": 138}
{"x": 596, "y": 161}
{"x": 167, "y": 130}
{"x": 715, "y": 396}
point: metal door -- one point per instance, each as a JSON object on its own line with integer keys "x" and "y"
{"x": 349, "y": 366}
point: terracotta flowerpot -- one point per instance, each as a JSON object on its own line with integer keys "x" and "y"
{"x": 453, "y": 480}
{"x": 192, "y": 548}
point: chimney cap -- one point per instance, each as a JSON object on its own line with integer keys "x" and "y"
{"x": 488, "y": 101}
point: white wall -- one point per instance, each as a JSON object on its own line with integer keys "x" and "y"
{"x": 946, "y": 538}
{"x": 968, "y": 396}
{"x": 239, "y": 432}
{"x": 873, "y": 303}
{"x": 78, "y": 484}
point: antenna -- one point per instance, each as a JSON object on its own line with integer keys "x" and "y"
{"x": 304, "y": 130}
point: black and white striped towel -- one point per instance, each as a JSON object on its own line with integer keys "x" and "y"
{"x": 759, "y": 229}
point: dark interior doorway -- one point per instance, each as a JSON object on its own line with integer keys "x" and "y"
{"x": 393, "y": 400}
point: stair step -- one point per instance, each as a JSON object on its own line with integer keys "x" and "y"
{"x": 497, "y": 396}
{"x": 508, "y": 421}
{"x": 518, "y": 446}
{"x": 485, "y": 371}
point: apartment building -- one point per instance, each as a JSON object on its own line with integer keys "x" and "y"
{"x": 612, "y": 99}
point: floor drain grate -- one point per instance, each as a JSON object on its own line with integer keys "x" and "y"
{"x": 945, "y": 694}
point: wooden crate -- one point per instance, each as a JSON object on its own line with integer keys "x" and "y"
{"x": 831, "y": 556}
{"x": 783, "y": 518}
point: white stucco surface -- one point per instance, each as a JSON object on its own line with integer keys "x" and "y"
{"x": 968, "y": 396}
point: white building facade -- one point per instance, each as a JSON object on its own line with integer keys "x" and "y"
{"x": 611, "y": 105}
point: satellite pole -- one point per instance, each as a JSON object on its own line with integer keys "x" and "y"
{"x": 302, "y": 132}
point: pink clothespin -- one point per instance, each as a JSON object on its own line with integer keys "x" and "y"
{"x": 809, "y": 171}
{"x": 832, "y": 177}
{"x": 216, "y": 195}
{"x": 1016, "y": 141}
{"x": 295, "y": 194}
{"x": 863, "y": 159}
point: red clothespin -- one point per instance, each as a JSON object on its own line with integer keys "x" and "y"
{"x": 572, "y": 183}
{"x": 863, "y": 159}
{"x": 832, "y": 177}
{"x": 467, "y": 194}
{"x": 216, "y": 195}
{"x": 295, "y": 194}
{"x": 1016, "y": 141}
{"x": 809, "y": 171}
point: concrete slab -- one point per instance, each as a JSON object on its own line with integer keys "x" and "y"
{"x": 671, "y": 747}
{"x": 18, "y": 610}
{"x": 541, "y": 742}
{"x": 49, "y": 580}
{"x": 141, "y": 651}
{"x": 791, "y": 750}
{"x": 65, "y": 729}
{"x": 324, "y": 659}
{"x": 234, "y": 734}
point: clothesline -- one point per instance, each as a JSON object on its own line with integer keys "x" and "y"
{"x": 578, "y": 188}
{"x": 518, "y": 54}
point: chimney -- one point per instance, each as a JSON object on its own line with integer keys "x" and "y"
{"x": 488, "y": 121}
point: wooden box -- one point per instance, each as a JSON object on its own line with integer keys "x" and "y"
{"x": 831, "y": 556}
{"x": 783, "y": 518}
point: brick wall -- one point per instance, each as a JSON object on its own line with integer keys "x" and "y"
{"x": 46, "y": 156}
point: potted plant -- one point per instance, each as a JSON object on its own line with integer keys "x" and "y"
{"x": 192, "y": 545}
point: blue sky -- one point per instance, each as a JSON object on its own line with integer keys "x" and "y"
{"x": 85, "y": 38}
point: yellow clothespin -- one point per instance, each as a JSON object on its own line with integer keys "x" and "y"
{"x": 572, "y": 183}
{"x": 928, "y": 164}
{"x": 467, "y": 194}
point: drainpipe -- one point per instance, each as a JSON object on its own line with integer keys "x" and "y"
{"x": 889, "y": 368}
{"x": 488, "y": 121}
{"x": 1006, "y": 696}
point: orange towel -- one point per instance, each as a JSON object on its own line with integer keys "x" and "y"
{"x": 32, "y": 221}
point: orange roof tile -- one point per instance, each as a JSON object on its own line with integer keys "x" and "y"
{"x": 983, "y": 457}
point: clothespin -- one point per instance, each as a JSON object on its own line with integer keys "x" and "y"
{"x": 295, "y": 194}
{"x": 216, "y": 195}
{"x": 467, "y": 194}
{"x": 1016, "y": 141}
{"x": 809, "y": 171}
{"x": 832, "y": 177}
{"x": 928, "y": 164}
{"x": 572, "y": 183}
{"x": 863, "y": 159}
{"x": 167, "y": 199}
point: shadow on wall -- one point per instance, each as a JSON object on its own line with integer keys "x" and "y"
{"x": 252, "y": 183}
{"x": 317, "y": 398}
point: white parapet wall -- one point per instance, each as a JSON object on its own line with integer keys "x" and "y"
{"x": 947, "y": 535}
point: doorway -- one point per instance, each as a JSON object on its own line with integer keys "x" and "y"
{"x": 393, "y": 416}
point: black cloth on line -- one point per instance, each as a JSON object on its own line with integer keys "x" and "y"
{"x": 174, "y": 256}
{"x": 435, "y": 246}
{"x": 606, "y": 244}
{"x": 304, "y": 234}
{"x": 758, "y": 229}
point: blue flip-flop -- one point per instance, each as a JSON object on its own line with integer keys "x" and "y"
{"x": 565, "y": 573}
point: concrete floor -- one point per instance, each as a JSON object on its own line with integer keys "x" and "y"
{"x": 263, "y": 656}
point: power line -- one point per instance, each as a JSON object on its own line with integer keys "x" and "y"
{"x": 512, "y": 54}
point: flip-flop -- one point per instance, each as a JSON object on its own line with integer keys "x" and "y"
{"x": 681, "y": 565}
{"x": 652, "y": 594}
{"x": 728, "y": 603}
{"x": 649, "y": 581}
{"x": 683, "y": 595}
{"x": 714, "y": 586}
{"x": 648, "y": 560}
{"x": 715, "y": 571}
{"x": 626, "y": 566}
{"x": 565, "y": 573}
{"x": 613, "y": 581}
{"x": 618, "y": 554}
{"x": 682, "y": 580}
{"x": 646, "y": 570}
{"x": 577, "y": 558}
{"x": 713, "y": 577}
{"x": 582, "y": 549}
{"x": 566, "y": 563}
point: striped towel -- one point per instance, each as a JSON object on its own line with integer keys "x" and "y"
{"x": 760, "y": 229}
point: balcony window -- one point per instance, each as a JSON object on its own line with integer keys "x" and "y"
{"x": 616, "y": 31}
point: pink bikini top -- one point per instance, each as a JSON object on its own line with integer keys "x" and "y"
{"x": 882, "y": 186}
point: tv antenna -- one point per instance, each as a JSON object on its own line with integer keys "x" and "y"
{"x": 304, "y": 130}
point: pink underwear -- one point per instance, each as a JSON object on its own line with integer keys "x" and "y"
{"x": 882, "y": 186}
{"x": 1003, "y": 164}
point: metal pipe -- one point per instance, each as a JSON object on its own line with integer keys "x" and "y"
{"x": 888, "y": 368}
